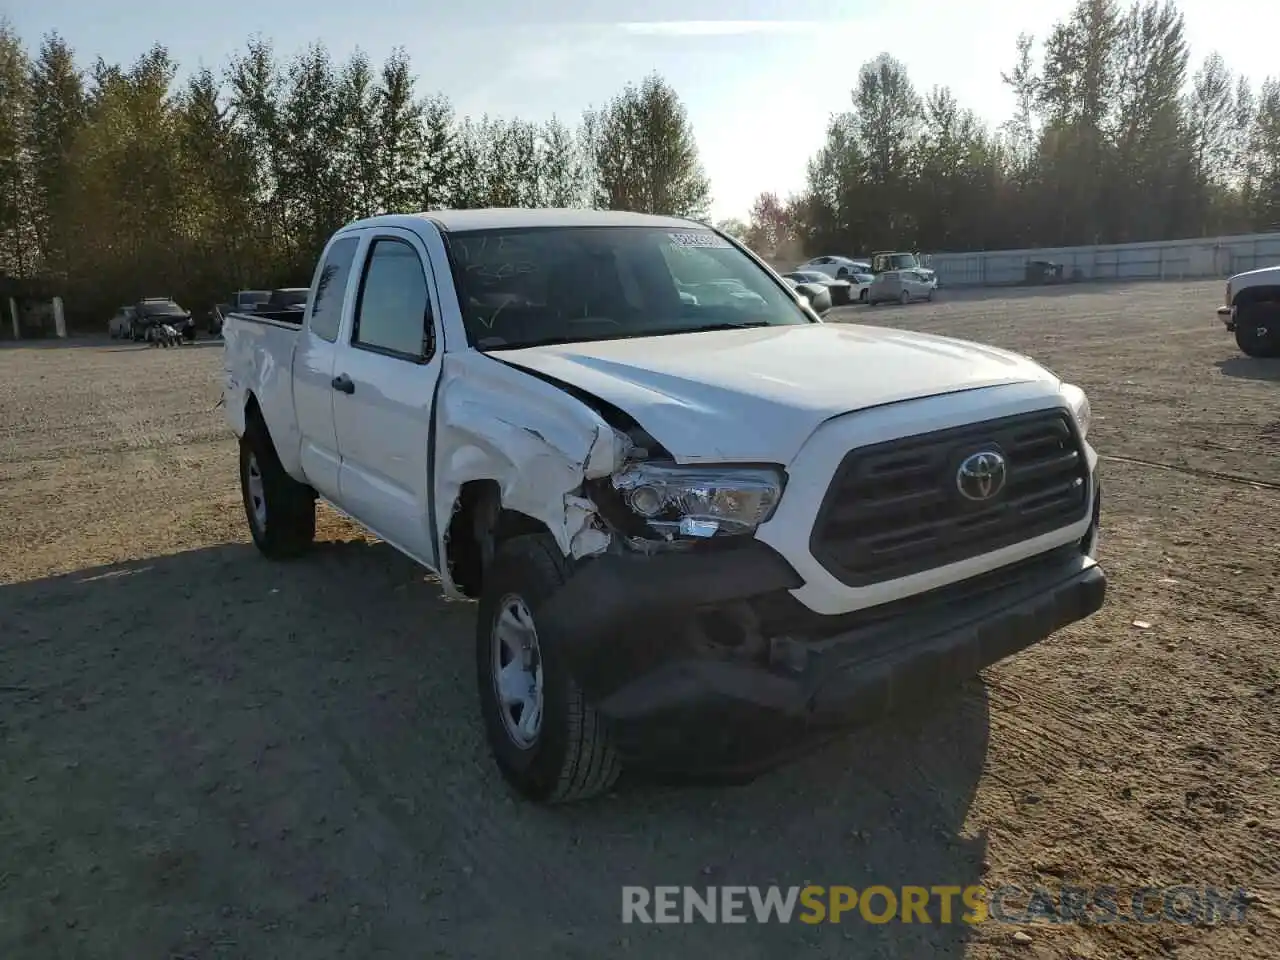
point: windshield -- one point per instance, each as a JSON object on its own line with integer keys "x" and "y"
{"x": 525, "y": 287}
{"x": 160, "y": 308}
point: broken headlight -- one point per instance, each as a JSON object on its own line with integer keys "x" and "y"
{"x": 699, "y": 502}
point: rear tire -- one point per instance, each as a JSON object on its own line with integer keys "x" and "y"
{"x": 570, "y": 755}
{"x": 1258, "y": 329}
{"x": 280, "y": 510}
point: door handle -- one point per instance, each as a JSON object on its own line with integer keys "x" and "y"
{"x": 343, "y": 384}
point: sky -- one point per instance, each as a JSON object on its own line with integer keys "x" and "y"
{"x": 760, "y": 78}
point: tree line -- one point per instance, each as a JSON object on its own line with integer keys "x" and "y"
{"x": 118, "y": 182}
{"x": 1113, "y": 140}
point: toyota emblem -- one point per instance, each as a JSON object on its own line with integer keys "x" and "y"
{"x": 981, "y": 475}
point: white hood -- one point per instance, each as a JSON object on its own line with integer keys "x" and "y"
{"x": 1254, "y": 277}
{"x": 756, "y": 395}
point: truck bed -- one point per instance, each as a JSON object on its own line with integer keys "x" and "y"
{"x": 291, "y": 318}
{"x": 258, "y": 352}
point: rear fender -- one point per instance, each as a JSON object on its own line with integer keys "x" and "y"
{"x": 257, "y": 368}
{"x": 494, "y": 422}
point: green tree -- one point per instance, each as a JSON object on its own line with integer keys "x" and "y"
{"x": 645, "y": 155}
{"x": 57, "y": 114}
{"x": 18, "y": 250}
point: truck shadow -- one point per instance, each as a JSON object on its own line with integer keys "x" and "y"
{"x": 1250, "y": 368}
{"x": 206, "y": 747}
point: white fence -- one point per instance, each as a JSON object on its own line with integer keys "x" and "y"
{"x": 1164, "y": 260}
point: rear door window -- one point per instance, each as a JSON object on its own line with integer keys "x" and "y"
{"x": 331, "y": 287}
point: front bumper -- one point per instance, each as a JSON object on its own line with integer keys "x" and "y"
{"x": 1227, "y": 314}
{"x": 622, "y": 622}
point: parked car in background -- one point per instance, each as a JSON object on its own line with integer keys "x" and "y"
{"x": 120, "y": 326}
{"x": 154, "y": 310}
{"x": 901, "y": 286}
{"x": 839, "y": 268}
{"x": 886, "y": 260}
{"x": 850, "y": 290}
{"x": 242, "y": 301}
{"x": 818, "y": 294}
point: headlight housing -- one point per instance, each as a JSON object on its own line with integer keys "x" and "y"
{"x": 700, "y": 502}
{"x": 1079, "y": 403}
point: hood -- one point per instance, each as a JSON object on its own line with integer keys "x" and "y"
{"x": 1262, "y": 274}
{"x": 756, "y": 395}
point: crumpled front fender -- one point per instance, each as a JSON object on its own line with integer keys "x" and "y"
{"x": 494, "y": 422}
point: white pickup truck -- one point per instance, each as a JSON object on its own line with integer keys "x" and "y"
{"x": 1251, "y": 310}
{"x": 703, "y": 526}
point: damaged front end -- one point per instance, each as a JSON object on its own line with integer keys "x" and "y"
{"x": 686, "y": 635}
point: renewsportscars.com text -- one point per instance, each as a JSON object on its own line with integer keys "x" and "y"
{"x": 935, "y": 904}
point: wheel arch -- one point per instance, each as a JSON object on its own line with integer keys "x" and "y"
{"x": 478, "y": 526}
{"x": 1263, "y": 293}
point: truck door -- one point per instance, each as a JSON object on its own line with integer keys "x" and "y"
{"x": 383, "y": 387}
{"x": 313, "y": 365}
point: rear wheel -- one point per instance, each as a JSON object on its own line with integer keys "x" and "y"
{"x": 1258, "y": 329}
{"x": 862, "y": 295}
{"x": 547, "y": 741}
{"x": 281, "y": 511}
{"x": 904, "y": 297}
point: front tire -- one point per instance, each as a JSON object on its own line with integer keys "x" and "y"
{"x": 280, "y": 510}
{"x": 904, "y": 298}
{"x": 549, "y": 744}
{"x": 863, "y": 296}
{"x": 1258, "y": 329}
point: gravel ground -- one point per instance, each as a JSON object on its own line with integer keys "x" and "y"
{"x": 208, "y": 755}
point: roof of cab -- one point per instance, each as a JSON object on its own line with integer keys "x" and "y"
{"x": 520, "y": 218}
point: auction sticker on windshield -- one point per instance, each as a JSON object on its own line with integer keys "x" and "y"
{"x": 701, "y": 239}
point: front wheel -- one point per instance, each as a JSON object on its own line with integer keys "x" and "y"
{"x": 548, "y": 742}
{"x": 904, "y": 298}
{"x": 1258, "y": 329}
{"x": 281, "y": 511}
{"x": 862, "y": 296}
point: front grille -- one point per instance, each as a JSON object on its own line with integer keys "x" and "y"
{"x": 894, "y": 508}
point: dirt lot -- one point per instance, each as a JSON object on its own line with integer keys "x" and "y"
{"x": 207, "y": 755}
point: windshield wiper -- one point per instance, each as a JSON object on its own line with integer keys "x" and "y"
{"x": 544, "y": 342}
{"x": 666, "y": 331}
{"x": 627, "y": 335}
